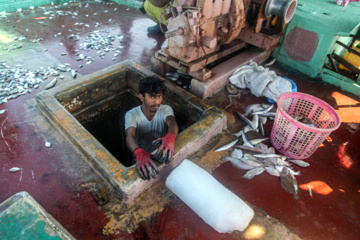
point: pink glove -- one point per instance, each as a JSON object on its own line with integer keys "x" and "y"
{"x": 166, "y": 150}
{"x": 144, "y": 164}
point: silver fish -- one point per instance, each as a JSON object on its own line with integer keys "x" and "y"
{"x": 48, "y": 144}
{"x": 51, "y": 84}
{"x": 300, "y": 163}
{"x": 249, "y": 156}
{"x": 263, "y": 111}
{"x": 247, "y": 121}
{"x": 271, "y": 161}
{"x": 271, "y": 62}
{"x": 282, "y": 162}
{"x": 243, "y": 147}
{"x": 237, "y": 163}
{"x": 14, "y": 169}
{"x": 226, "y": 146}
{"x": 73, "y": 73}
{"x": 258, "y": 140}
{"x": 268, "y": 155}
{"x": 255, "y": 121}
{"x": 237, "y": 153}
{"x": 2, "y": 111}
{"x": 289, "y": 183}
{"x": 261, "y": 127}
{"x": 247, "y": 128}
{"x": 246, "y": 141}
{"x": 251, "y": 162}
{"x": 265, "y": 149}
{"x": 253, "y": 172}
{"x": 272, "y": 171}
{"x": 280, "y": 168}
{"x": 263, "y": 119}
{"x": 268, "y": 114}
{"x": 253, "y": 108}
{"x": 310, "y": 191}
{"x": 238, "y": 134}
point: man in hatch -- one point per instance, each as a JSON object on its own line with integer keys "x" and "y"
{"x": 149, "y": 125}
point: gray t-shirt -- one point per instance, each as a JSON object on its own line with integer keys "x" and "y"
{"x": 147, "y": 131}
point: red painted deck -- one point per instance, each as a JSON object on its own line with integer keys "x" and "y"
{"x": 61, "y": 181}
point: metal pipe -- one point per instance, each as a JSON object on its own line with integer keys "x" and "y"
{"x": 179, "y": 31}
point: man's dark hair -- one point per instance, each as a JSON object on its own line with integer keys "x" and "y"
{"x": 152, "y": 86}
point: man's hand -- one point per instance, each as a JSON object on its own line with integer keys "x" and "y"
{"x": 144, "y": 164}
{"x": 166, "y": 150}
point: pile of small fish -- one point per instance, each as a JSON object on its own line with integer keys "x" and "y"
{"x": 100, "y": 40}
{"x": 256, "y": 157}
{"x": 260, "y": 112}
{"x": 17, "y": 81}
{"x": 260, "y": 158}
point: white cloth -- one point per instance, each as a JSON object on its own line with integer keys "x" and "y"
{"x": 261, "y": 81}
{"x": 147, "y": 131}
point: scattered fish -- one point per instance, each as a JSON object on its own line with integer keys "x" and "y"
{"x": 281, "y": 167}
{"x": 310, "y": 191}
{"x": 263, "y": 111}
{"x": 272, "y": 171}
{"x": 250, "y": 162}
{"x": 262, "y": 157}
{"x": 246, "y": 141}
{"x": 268, "y": 155}
{"x": 14, "y": 169}
{"x": 73, "y": 73}
{"x": 271, "y": 62}
{"x": 252, "y": 149}
{"x": 261, "y": 127}
{"x": 289, "y": 183}
{"x": 237, "y": 163}
{"x": 258, "y": 140}
{"x": 253, "y": 172}
{"x": 2, "y": 111}
{"x": 238, "y": 134}
{"x": 226, "y": 146}
{"x": 16, "y": 81}
{"x": 249, "y": 156}
{"x": 268, "y": 114}
{"x": 48, "y": 144}
{"x": 255, "y": 122}
{"x": 51, "y": 84}
{"x": 247, "y": 128}
{"x": 300, "y": 163}
{"x": 252, "y": 108}
{"x": 247, "y": 121}
{"x": 237, "y": 153}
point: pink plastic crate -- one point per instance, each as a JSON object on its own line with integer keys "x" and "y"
{"x": 298, "y": 140}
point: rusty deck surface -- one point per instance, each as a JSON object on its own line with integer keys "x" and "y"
{"x": 75, "y": 194}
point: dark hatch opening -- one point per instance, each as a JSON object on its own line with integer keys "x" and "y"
{"x": 109, "y": 130}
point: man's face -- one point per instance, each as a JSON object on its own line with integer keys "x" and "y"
{"x": 151, "y": 102}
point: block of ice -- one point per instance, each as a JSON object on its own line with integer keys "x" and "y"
{"x": 215, "y": 204}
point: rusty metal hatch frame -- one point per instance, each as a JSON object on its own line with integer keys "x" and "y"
{"x": 58, "y": 104}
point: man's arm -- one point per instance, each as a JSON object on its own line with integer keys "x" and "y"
{"x": 172, "y": 125}
{"x": 130, "y": 139}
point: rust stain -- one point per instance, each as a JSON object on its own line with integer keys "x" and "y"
{"x": 128, "y": 217}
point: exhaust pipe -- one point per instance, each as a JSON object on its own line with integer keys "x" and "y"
{"x": 282, "y": 8}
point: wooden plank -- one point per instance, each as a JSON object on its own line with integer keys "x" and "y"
{"x": 228, "y": 49}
